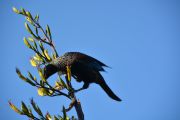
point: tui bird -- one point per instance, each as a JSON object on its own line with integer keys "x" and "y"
{"x": 83, "y": 68}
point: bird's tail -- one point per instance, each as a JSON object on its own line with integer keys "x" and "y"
{"x": 110, "y": 93}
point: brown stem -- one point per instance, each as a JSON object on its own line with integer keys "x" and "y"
{"x": 70, "y": 105}
{"x": 50, "y": 43}
{"x": 49, "y": 40}
{"x": 77, "y": 103}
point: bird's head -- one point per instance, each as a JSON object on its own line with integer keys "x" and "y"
{"x": 49, "y": 70}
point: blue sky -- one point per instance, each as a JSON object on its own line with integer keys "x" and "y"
{"x": 139, "y": 39}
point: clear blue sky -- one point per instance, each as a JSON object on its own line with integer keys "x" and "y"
{"x": 140, "y": 40}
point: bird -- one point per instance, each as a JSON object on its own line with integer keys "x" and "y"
{"x": 84, "y": 68}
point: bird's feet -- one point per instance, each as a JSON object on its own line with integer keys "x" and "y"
{"x": 75, "y": 91}
{"x": 78, "y": 90}
{"x": 71, "y": 91}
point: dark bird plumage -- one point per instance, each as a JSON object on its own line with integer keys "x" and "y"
{"x": 83, "y": 68}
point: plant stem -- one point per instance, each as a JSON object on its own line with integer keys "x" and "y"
{"x": 49, "y": 40}
{"x": 77, "y": 104}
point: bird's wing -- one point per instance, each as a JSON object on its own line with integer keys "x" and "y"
{"x": 91, "y": 62}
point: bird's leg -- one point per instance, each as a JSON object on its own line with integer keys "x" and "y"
{"x": 85, "y": 86}
{"x": 79, "y": 89}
